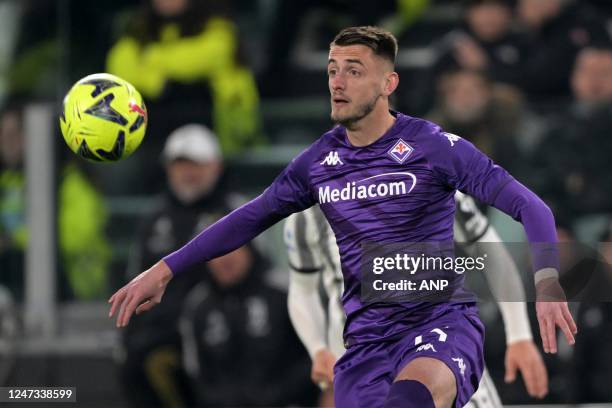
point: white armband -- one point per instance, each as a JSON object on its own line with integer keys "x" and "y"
{"x": 545, "y": 273}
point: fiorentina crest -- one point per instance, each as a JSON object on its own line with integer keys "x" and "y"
{"x": 400, "y": 151}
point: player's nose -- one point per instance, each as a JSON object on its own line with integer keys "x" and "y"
{"x": 337, "y": 83}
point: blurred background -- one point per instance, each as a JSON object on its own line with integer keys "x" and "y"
{"x": 235, "y": 89}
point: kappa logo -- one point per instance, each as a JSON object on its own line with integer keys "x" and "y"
{"x": 461, "y": 365}
{"x": 452, "y": 138}
{"x": 332, "y": 159}
{"x": 400, "y": 151}
{"x": 425, "y": 347}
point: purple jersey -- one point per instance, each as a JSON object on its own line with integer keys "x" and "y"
{"x": 398, "y": 189}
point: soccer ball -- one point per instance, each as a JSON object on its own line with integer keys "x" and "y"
{"x": 103, "y": 118}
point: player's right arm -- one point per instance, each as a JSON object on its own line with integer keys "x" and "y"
{"x": 289, "y": 193}
{"x": 304, "y": 301}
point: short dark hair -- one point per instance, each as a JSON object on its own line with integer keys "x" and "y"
{"x": 382, "y": 42}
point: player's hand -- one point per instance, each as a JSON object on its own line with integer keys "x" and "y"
{"x": 552, "y": 311}
{"x": 141, "y": 294}
{"x": 524, "y": 356}
{"x": 322, "y": 372}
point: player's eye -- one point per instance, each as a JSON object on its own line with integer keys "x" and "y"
{"x": 354, "y": 72}
{"x": 331, "y": 72}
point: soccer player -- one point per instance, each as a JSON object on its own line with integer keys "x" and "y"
{"x": 313, "y": 257}
{"x": 383, "y": 177}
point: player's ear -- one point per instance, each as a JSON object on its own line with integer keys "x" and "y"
{"x": 391, "y": 83}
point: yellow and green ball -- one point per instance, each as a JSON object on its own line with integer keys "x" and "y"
{"x": 104, "y": 118}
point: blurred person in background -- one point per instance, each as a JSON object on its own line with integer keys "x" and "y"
{"x": 84, "y": 253}
{"x": 487, "y": 41}
{"x": 592, "y": 80}
{"x": 606, "y": 243}
{"x": 558, "y": 30}
{"x": 84, "y": 250}
{"x": 183, "y": 56}
{"x": 589, "y": 275}
{"x": 239, "y": 346}
{"x": 488, "y": 115}
{"x": 593, "y": 357}
{"x": 57, "y": 43}
{"x": 571, "y": 166}
{"x": 13, "y": 229}
{"x": 150, "y": 364}
{"x": 313, "y": 22}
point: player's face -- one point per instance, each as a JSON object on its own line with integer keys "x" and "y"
{"x": 356, "y": 79}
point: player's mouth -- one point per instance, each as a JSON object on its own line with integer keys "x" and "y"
{"x": 339, "y": 101}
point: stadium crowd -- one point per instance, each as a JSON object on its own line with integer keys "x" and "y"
{"x": 228, "y": 85}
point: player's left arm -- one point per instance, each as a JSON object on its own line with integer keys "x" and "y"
{"x": 471, "y": 228}
{"x": 521, "y": 353}
{"x": 460, "y": 165}
{"x": 552, "y": 310}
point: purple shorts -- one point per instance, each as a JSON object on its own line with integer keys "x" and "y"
{"x": 364, "y": 374}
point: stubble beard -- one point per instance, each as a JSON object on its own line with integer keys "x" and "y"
{"x": 363, "y": 110}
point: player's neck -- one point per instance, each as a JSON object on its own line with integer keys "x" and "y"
{"x": 372, "y": 127}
